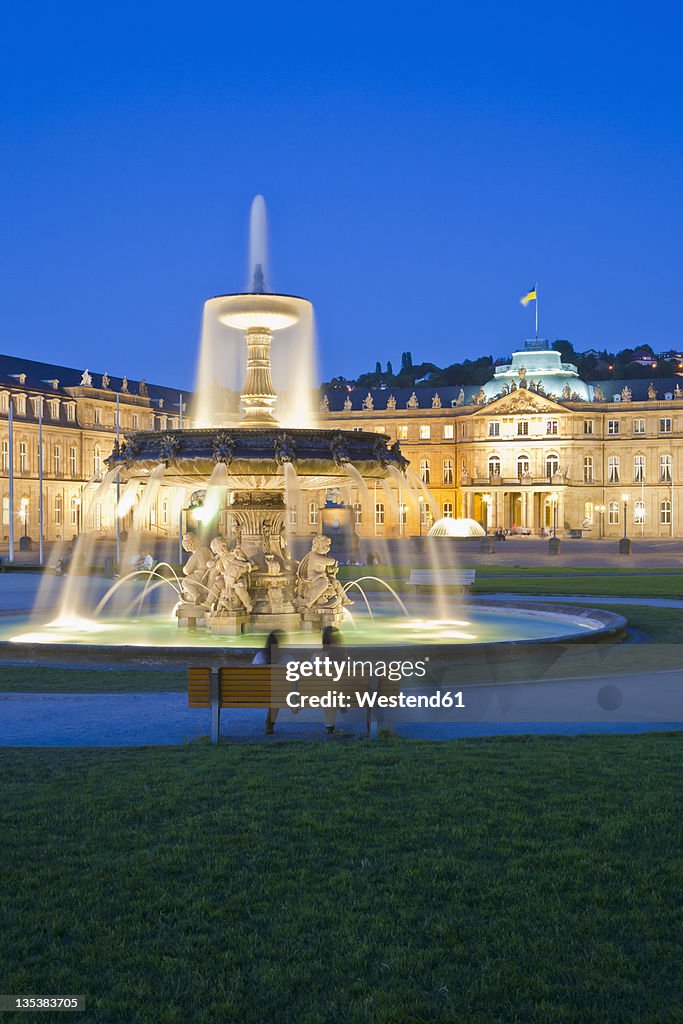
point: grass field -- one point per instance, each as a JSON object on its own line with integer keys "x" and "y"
{"x": 502, "y": 880}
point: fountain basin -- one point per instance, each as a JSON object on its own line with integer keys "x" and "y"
{"x": 245, "y": 311}
{"x": 255, "y": 456}
{"x": 156, "y": 641}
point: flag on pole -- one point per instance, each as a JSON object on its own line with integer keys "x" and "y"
{"x": 529, "y": 297}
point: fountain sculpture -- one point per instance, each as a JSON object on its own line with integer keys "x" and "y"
{"x": 248, "y": 581}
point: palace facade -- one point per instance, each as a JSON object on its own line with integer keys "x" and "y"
{"x": 79, "y": 418}
{"x": 534, "y": 449}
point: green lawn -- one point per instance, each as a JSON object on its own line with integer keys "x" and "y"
{"x": 501, "y": 880}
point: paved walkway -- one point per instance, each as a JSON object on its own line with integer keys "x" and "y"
{"x": 640, "y": 702}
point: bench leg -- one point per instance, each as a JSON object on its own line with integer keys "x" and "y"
{"x": 215, "y": 707}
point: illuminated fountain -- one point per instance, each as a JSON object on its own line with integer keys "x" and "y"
{"x": 236, "y": 471}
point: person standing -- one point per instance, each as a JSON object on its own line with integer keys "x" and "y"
{"x": 265, "y": 657}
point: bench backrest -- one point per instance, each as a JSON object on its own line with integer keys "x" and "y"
{"x": 240, "y": 686}
{"x": 460, "y": 577}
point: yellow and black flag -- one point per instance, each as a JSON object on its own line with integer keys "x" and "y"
{"x": 529, "y": 297}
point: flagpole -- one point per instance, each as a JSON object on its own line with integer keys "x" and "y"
{"x": 536, "y": 290}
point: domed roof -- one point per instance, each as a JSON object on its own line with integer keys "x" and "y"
{"x": 535, "y": 365}
{"x": 449, "y": 527}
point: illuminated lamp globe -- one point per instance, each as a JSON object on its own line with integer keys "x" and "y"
{"x": 449, "y": 527}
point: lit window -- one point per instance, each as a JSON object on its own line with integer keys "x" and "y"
{"x": 425, "y": 471}
{"x": 358, "y": 513}
{"x": 588, "y": 511}
{"x": 5, "y": 456}
{"x": 494, "y": 428}
{"x": 97, "y": 460}
{"x": 70, "y": 411}
{"x": 552, "y": 465}
{"x": 54, "y": 410}
{"x": 73, "y": 461}
{"x": 588, "y": 469}
{"x": 164, "y": 512}
{"x": 425, "y": 432}
{"x": 665, "y": 425}
{"x": 639, "y": 512}
{"x": 379, "y": 514}
{"x": 612, "y": 426}
{"x": 23, "y": 457}
{"x": 448, "y": 471}
{"x": 639, "y": 469}
{"x": 4, "y": 402}
{"x": 57, "y": 456}
{"x": 448, "y": 432}
{"x": 665, "y": 512}
{"x": 639, "y": 426}
{"x": 523, "y": 427}
{"x": 588, "y": 426}
{"x": 20, "y": 402}
{"x": 313, "y": 513}
{"x": 74, "y": 511}
{"x": 494, "y": 465}
{"x": 448, "y": 510}
{"x": 523, "y": 465}
{"x": 58, "y": 510}
{"x": 403, "y": 433}
{"x": 613, "y": 473}
{"x": 613, "y": 513}
{"x": 292, "y": 515}
{"x": 665, "y": 469}
{"x": 551, "y": 426}
{"x": 425, "y": 514}
{"x": 98, "y": 417}
{"x": 403, "y": 513}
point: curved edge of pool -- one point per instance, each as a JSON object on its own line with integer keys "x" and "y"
{"x": 590, "y": 625}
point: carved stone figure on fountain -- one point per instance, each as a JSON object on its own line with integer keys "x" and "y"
{"x": 214, "y": 576}
{"x": 320, "y": 595}
{"x": 234, "y": 566}
{"x": 194, "y": 570}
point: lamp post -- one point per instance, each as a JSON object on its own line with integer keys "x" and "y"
{"x": 600, "y": 509}
{"x": 625, "y": 543}
{"x": 554, "y": 543}
{"x": 486, "y": 541}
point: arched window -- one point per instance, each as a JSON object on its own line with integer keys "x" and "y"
{"x": 665, "y": 512}
{"x": 613, "y": 513}
{"x": 425, "y": 471}
{"x": 552, "y": 464}
{"x": 639, "y": 469}
{"x": 522, "y": 465}
{"x": 665, "y": 469}
{"x": 448, "y": 510}
{"x": 494, "y": 465}
{"x": 613, "y": 473}
{"x": 588, "y": 469}
{"x": 448, "y": 471}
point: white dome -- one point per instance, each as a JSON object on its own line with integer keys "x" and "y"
{"x": 449, "y": 527}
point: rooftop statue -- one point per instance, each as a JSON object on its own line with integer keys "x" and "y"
{"x": 347, "y": 404}
{"x": 626, "y": 394}
{"x": 325, "y": 404}
{"x": 436, "y": 401}
{"x": 105, "y": 381}
{"x": 368, "y": 402}
{"x": 124, "y": 384}
{"x": 142, "y": 389}
{"x": 412, "y": 402}
{"x": 86, "y": 380}
{"x": 460, "y": 400}
{"x": 651, "y": 393}
{"x": 391, "y": 402}
{"x": 598, "y": 394}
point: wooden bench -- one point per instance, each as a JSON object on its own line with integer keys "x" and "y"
{"x": 461, "y": 578}
{"x": 250, "y": 686}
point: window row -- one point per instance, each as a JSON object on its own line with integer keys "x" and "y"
{"x": 614, "y": 510}
{"x": 639, "y": 463}
{"x": 425, "y": 432}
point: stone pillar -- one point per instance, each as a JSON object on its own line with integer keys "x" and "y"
{"x": 258, "y": 395}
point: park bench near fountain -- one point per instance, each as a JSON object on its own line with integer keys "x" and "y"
{"x": 250, "y": 686}
{"x": 443, "y": 578}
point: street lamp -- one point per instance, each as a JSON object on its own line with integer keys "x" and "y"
{"x": 600, "y": 509}
{"x": 625, "y": 543}
{"x": 554, "y": 542}
{"x": 486, "y": 541}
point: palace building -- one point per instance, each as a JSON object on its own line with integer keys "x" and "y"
{"x": 79, "y": 413}
{"x": 535, "y": 448}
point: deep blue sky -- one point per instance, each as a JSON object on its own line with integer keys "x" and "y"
{"x": 423, "y": 165}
